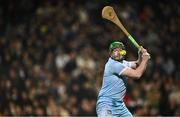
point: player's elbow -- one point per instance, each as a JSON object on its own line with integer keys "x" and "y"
{"x": 137, "y": 75}
{"x": 134, "y": 74}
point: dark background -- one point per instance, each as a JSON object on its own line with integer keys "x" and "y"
{"x": 52, "y": 55}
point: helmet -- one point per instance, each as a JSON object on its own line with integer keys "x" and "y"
{"x": 116, "y": 44}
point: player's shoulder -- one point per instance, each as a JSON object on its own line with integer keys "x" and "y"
{"x": 125, "y": 61}
{"x": 112, "y": 62}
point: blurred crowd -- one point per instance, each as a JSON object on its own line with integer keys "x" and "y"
{"x": 52, "y": 56}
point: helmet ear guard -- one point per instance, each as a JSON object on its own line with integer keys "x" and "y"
{"x": 123, "y": 52}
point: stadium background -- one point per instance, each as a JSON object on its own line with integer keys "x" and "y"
{"x": 52, "y": 55}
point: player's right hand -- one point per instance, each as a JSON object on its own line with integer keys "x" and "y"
{"x": 142, "y": 50}
{"x": 145, "y": 56}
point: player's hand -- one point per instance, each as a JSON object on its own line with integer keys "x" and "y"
{"x": 142, "y": 50}
{"x": 145, "y": 56}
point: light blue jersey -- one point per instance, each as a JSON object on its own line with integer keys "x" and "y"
{"x": 110, "y": 98}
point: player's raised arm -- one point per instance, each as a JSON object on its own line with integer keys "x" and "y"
{"x": 135, "y": 64}
{"x": 137, "y": 73}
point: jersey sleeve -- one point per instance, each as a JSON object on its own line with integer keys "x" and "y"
{"x": 129, "y": 63}
{"x": 119, "y": 68}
